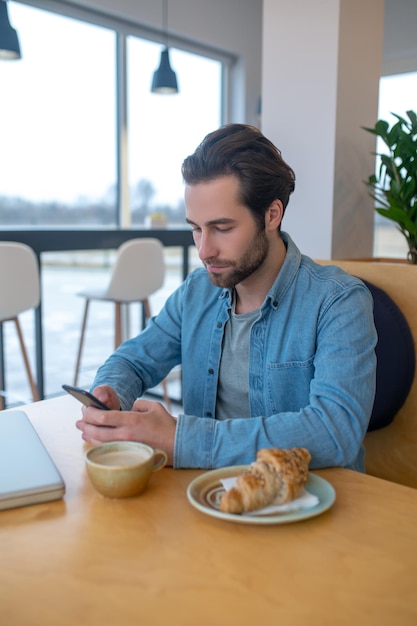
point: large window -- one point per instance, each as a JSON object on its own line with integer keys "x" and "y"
{"x": 63, "y": 150}
{"x": 57, "y": 123}
{"x": 165, "y": 129}
{"x": 397, "y": 94}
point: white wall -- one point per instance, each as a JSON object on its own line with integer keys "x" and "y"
{"x": 321, "y": 65}
{"x": 298, "y": 109}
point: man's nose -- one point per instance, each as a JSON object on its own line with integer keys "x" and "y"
{"x": 206, "y": 249}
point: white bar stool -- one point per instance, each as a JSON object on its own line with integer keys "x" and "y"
{"x": 19, "y": 291}
{"x": 138, "y": 271}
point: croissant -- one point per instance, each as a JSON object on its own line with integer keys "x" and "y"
{"x": 277, "y": 476}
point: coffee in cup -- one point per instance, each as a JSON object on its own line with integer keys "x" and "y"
{"x": 121, "y": 469}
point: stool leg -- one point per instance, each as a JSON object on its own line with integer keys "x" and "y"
{"x": 2, "y": 370}
{"x": 117, "y": 325}
{"x": 80, "y": 347}
{"x": 35, "y": 393}
{"x": 147, "y": 308}
{"x": 125, "y": 322}
{"x": 166, "y": 396}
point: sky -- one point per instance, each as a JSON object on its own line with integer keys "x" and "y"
{"x": 397, "y": 94}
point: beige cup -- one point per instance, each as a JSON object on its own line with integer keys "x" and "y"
{"x": 121, "y": 469}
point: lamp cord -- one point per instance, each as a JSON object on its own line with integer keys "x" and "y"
{"x": 165, "y": 21}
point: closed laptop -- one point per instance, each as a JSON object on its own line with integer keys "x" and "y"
{"x": 28, "y": 474}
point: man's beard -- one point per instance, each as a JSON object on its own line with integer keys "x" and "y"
{"x": 248, "y": 263}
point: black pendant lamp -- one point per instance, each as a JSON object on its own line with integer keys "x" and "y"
{"x": 9, "y": 41}
{"x": 164, "y": 78}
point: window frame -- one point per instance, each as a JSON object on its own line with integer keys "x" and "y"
{"x": 123, "y": 29}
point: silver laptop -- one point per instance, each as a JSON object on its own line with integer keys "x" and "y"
{"x": 27, "y": 473}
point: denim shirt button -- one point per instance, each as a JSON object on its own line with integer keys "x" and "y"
{"x": 208, "y": 414}
{"x": 219, "y": 324}
{"x": 211, "y": 370}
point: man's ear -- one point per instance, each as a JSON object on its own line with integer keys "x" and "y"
{"x": 274, "y": 214}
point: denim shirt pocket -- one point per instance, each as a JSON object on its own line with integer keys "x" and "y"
{"x": 288, "y": 384}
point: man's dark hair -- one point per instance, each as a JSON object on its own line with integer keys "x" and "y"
{"x": 243, "y": 151}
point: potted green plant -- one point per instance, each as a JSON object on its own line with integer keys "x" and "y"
{"x": 394, "y": 185}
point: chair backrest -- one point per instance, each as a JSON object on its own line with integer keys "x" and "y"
{"x": 139, "y": 270}
{"x": 391, "y": 452}
{"x": 19, "y": 279}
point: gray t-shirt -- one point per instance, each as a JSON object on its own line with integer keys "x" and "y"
{"x": 233, "y": 387}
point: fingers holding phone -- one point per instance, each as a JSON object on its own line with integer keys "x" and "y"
{"x": 106, "y": 401}
{"x": 99, "y": 425}
{"x": 108, "y": 396}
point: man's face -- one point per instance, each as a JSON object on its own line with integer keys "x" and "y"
{"x": 228, "y": 240}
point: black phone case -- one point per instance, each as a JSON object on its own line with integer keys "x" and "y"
{"x": 85, "y": 397}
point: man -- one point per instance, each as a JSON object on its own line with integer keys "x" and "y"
{"x": 276, "y": 351}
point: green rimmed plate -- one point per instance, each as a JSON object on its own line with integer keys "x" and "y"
{"x": 205, "y": 491}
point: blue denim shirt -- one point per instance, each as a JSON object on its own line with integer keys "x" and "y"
{"x": 312, "y": 367}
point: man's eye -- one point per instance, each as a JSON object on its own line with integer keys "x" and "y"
{"x": 224, "y": 229}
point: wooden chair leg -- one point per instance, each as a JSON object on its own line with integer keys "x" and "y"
{"x": 117, "y": 325}
{"x": 147, "y": 308}
{"x": 34, "y": 389}
{"x": 80, "y": 347}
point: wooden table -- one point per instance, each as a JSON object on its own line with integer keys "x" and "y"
{"x": 154, "y": 559}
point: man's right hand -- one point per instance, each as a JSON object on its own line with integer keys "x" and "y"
{"x": 107, "y": 394}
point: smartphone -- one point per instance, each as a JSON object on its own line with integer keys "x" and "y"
{"x": 85, "y": 397}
